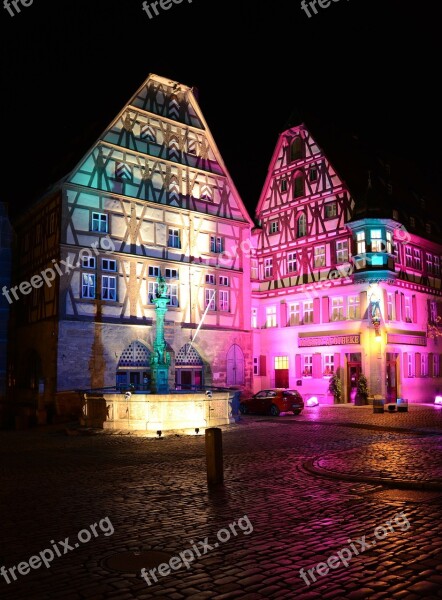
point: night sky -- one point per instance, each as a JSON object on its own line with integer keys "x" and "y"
{"x": 369, "y": 67}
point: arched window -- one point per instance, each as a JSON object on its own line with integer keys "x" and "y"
{"x": 301, "y": 225}
{"x": 189, "y": 369}
{"x": 235, "y": 366}
{"x": 296, "y": 149}
{"x": 298, "y": 185}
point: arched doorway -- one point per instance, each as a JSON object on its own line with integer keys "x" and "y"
{"x": 189, "y": 369}
{"x": 134, "y": 367}
{"x": 235, "y": 365}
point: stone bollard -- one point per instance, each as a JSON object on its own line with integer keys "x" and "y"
{"x": 214, "y": 456}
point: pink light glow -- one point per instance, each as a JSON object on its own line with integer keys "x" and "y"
{"x": 438, "y": 400}
{"x": 313, "y": 401}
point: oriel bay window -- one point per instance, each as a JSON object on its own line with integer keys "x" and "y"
{"x": 377, "y": 244}
{"x": 360, "y": 242}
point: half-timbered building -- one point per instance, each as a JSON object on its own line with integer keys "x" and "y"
{"x": 345, "y": 280}
{"x": 151, "y": 197}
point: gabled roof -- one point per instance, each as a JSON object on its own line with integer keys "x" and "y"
{"x": 377, "y": 180}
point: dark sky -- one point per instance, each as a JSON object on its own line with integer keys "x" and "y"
{"x": 369, "y": 66}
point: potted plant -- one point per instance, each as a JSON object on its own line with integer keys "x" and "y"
{"x": 335, "y": 388}
{"x": 361, "y": 391}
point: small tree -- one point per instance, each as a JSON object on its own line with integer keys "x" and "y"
{"x": 362, "y": 387}
{"x": 335, "y": 387}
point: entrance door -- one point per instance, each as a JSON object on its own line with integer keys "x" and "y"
{"x": 391, "y": 381}
{"x": 353, "y": 372}
{"x": 282, "y": 378}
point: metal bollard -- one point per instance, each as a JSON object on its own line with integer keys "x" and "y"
{"x": 214, "y": 456}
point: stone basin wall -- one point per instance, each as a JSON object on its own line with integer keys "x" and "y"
{"x": 154, "y": 412}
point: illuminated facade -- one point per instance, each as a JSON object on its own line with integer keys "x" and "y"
{"x": 151, "y": 197}
{"x": 339, "y": 284}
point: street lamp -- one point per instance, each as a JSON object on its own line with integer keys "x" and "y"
{"x": 375, "y": 311}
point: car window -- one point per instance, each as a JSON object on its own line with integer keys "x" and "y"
{"x": 272, "y": 394}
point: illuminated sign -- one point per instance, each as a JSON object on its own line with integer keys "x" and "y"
{"x": 329, "y": 340}
{"x": 410, "y": 340}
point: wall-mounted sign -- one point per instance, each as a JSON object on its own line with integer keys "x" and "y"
{"x": 410, "y": 340}
{"x": 329, "y": 340}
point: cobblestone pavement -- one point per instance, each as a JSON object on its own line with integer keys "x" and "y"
{"x": 154, "y": 493}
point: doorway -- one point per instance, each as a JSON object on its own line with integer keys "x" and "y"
{"x": 353, "y": 372}
{"x": 391, "y": 376}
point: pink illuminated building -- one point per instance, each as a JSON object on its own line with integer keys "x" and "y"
{"x": 346, "y": 280}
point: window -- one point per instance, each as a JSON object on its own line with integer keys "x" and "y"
{"x": 223, "y": 280}
{"x": 224, "y": 301}
{"x": 174, "y": 238}
{"x": 171, "y": 273}
{"x": 268, "y": 268}
{"x": 88, "y": 262}
{"x": 154, "y": 271}
{"x": 376, "y": 240}
{"x": 108, "y": 265}
{"x": 283, "y": 185}
{"x": 389, "y": 242}
{"x": 436, "y": 266}
{"x": 436, "y": 365}
{"x": 296, "y": 149}
{"x": 319, "y": 259}
{"x": 417, "y": 260}
{"x": 308, "y": 311}
{"x": 255, "y": 365}
{"x": 274, "y": 227}
{"x": 271, "y": 316}
{"x": 424, "y": 364}
{"x": 397, "y": 256}
{"x": 302, "y": 225}
{"x": 408, "y": 310}
{"x": 298, "y": 185}
{"x": 329, "y": 364}
{"x": 152, "y": 288}
{"x": 412, "y": 222}
{"x": 254, "y": 320}
{"x": 429, "y": 262}
{"x": 341, "y": 251}
{"x": 433, "y": 312}
{"x": 308, "y": 365}
{"x": 391, "y": 307}
{"x": 360, "y": 242}
{"x": 353, "y": 307}
{"x": 210, "y": 279}
{"x": 88, "y": 285}
{"x": 337, "y": 308}
{"x": 216, "y": 244}
{"x": 410, "y": 364}
{"x": 281, "y": 362}
{"x": 408, "y": 257}
{"x": 330, "y": 210}
{"x": 313, "y": 174}
{"x": 100, "y": 222}
{"x": 291, "y": 262}
{"x": 254, "y": 270}
{"x": 108, "y": 287}
{"x": 294, "y": 314}
{"x": 209, "y": 299}
{"x": 172, "y": 288}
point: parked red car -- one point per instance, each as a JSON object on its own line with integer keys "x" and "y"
{"x": 273, "y": 402}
